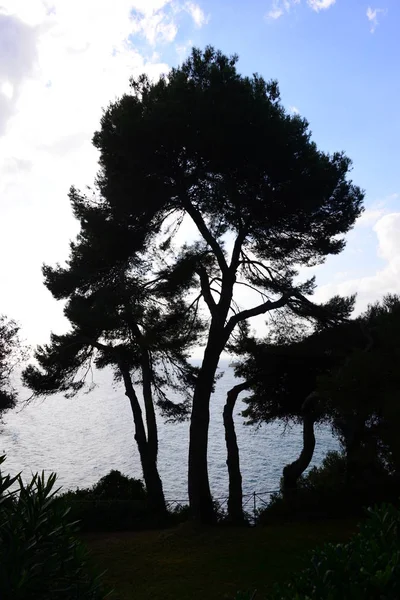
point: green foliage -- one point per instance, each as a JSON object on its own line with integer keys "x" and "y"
{"x": 40, "y": 557}
{"x": 115, "y": 485}
{"x": 352, "y": 370}
{"x": 366, "y": 567}
{"x": 115, "y": 502}
{"x": 328, "y": 491}
{"x": 206, "y": 140}
{"x": 362, "y": 392}
{"x": 285, "y": 368}
{"x": 350, "y": 363}
{"x": 320, "y": 493}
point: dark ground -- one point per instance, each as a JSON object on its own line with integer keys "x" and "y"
{"x": 208, "y": 564}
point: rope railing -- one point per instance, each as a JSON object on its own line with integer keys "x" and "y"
{"x": 252, "y": 501}
{"x": 257, "y": 498}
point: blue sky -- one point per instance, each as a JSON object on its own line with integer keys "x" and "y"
{"x": 61, "y": 61}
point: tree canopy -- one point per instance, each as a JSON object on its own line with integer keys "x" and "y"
{"x": 362, "y": 392}
{"x": 284, "y": 368}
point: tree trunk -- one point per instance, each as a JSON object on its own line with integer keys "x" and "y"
{"x": 235, "y": 500}
{"x": 200, "y": 499}
{"x": 149, "y": 465}
{"x": 294, "y": 470}
{"x": 201, "y": 503}
{"x": 152, "y": 434}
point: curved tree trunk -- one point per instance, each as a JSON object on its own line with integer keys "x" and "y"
{"x": 294, "y": 470}
{"x": 149, "y": 465}
{"x": 235, "y": 500}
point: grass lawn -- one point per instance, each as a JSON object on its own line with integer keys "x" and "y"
{"x": 212, "y": 564}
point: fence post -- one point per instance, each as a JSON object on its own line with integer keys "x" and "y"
{"x": 254, "y": 507}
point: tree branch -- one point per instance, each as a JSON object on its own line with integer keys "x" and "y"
{"x": 206, "y": 289}
{"x": 206, "y": 233}
{"x": 237, "y": 248}
{"x": 100, "y": 346}
{"x": 315, "y": 309}
{"x": 234, "y": 392}
{"x": 253, "y": 312}
{"x": 252, "y": 287}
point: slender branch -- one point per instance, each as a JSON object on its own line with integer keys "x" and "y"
{"x": 206, "y": 233}
{"x": 234, "y": 307}
{"x": 253, "y": 312}
{"x": 195, "y": 301}
{"x": 89, "y": 368}
{"x": 105, "y": 348}
{"x": 206, "y": 290}
{"x": 255, "y": 267}
{"x": 315, "y": 308}
{"x": 195, "y": 313}
{"x": 98, "y": 345}
{"x": 252, "y": 287}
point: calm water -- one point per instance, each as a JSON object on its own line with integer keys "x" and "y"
{"x": 83, "y": 438}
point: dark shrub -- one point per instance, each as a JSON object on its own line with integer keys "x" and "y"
{"x": 117, "y": 486}
{"x": 367, "y": 567}
{"x": 40, "y": 557}
{"x": 117, "y": 502}
{"x": 114, "y": 503}
{"x": 327, "y": 491}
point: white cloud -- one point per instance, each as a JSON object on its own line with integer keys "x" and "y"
{"x": 197, "y": 14}
{"x": 18, "y": 53}
{"x": 372, "y": 16}
{"x": 294, "y": 110}
{"x": 156, "y": 28}
{"x": 370, "y": 216}
{"x": 161, "y": 25}
{"x": 276, "y": 11}
{"x": 388, "y": 232}
{"x": 386, "y": 280}
{"x": 61, "y": 62}
{"x": 377, "y": 210}
{"x": 280, "y": 7}
{"x": 7, "y": 89}
{"x": 318, "y": 5}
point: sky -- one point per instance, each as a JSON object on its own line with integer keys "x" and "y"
{"x": 63, "y": 61}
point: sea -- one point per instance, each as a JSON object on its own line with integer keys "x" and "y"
{"x": 84, "y": 437}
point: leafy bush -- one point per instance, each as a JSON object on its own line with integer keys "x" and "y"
{"x": 40, "y": 558}
{"x": 366, "y": 567}
{"x": 115, "y": 502}
{"x": 326, "y": 491}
